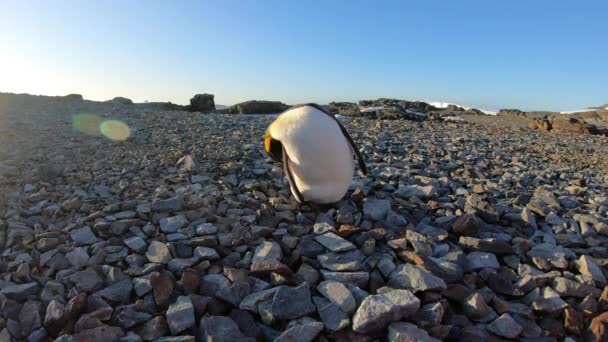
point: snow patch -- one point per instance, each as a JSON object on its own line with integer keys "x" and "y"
{"x": 440, "y": 104}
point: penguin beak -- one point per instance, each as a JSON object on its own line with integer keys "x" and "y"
{"x": 274, "y": 148}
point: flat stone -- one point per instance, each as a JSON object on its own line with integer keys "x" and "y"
{"x": 570, "y": 288}
{"x": 102, "y": 334}
{"x": 332, "y": 316}
{"x": 292, "y": 302}
{"x": 235, "y": 293}
{"x": 480, "y": 260}
{"x": 408, "y": 332}
{"x": 172, "y": 224}
{"x": 376, "y": 209}
{"x": 219, "y": 328}
{"x": 206, "y": 229}
{"x": 206, "y": 253}
{"x": 334, "y": 243}
{"x": 153, "y": 329}
{"x": 168, "y": 205}
{"x": 180, "y": 315}
{"x": 505, "y": 326}
{"x": 119, "y": 292}
{"x": 349, "y": 261}
{"x": 268, "y": 250}
{"x": 87, "y": 280}
{"x": 414, "y": 278}
{"x": 338, "y": 294}
{"x": 83, "y": 236}
{"x": 78, "y": 257}
{"x": 301, "y": 333}
{"x": 20, "y": 292}
{"x": 359, "y": 278}
{"x": 250, "y": 303}
{"x": 136, "y": 243}
{"x": 421, "y": 191}
{"x": 378, "y": 311}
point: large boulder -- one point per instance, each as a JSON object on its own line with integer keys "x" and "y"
{"x": 203, "y": 103}
{"x": 121, "y": 100}
{"x": 258, "y": 107}
{"x": 563, "y": 123}
{"x": 345, "y": 108}
{"x": 74, "y": 97}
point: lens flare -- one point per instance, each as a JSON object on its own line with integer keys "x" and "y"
{"x": 115, "y": 130}
{"x": 87, "y": 124}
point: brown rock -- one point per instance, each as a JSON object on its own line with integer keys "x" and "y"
{"x": 190, "y": 280}
{"x": 347, "y": 230}
{"x": 163, "y": 285}
{"x": 153, "y": 329}
{"x": 358, "y": 196}
{"x": 597, "y": 329}
{"x": 574, "y": 321}
{"x": 467, "y": 225}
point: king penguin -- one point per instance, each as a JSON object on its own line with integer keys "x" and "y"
{"x": 316, "y": 152}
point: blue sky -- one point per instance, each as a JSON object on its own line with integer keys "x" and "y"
{"x": 529, "y": 54}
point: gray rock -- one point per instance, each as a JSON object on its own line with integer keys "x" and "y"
{"x": 221, "y": 329}
{"x": 570, "y": 288}
{"x": 331, "y": 315}
{"x": 172, "y": 224}
{"x": 127, "y": 317}
{"x": 349, "y": 261}
{"x": 416, "y": 190}
{"x": 268, "y": 250}
{"x": 408, "y": 332}
{"x": 158, "y": 253}
{"x": 376, "y": 209}
{"x": 180, "y": 315}
{"x": 250, "y": 303}
{"x": 338, "y": 294}
{"x": 87, "y": 280}
{"x": 476, "y": 309}
{"x": 19, "y": 292}
{"x": 119, "y": 292}
{"x": 168, "y": 205}
{"x": 291, "y": 302}
{"x": 206, "y": 253}
{"x": 78, "y": 258}
{"x": 589, "y": 268}
{"x": 359, "y": 278}
{"x": 334, "y": 243}
{"x": 505, "y": 326}
{"x": 378, "y": 311}
{"x": 136, "y": 243}
{"x": 480, "y": 260}
{"x": 301, "y": 333}
{"x": 206, "y": 229}
{"x": 83, "y": 236}
{"x": 414, "y": 278}
{"x": 235, "y": 293}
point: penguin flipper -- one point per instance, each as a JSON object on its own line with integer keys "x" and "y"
{"x": 362, "y": 165}
{"x": 292, "y": 183}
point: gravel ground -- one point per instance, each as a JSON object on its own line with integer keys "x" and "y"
{"x": 477, "y": 231}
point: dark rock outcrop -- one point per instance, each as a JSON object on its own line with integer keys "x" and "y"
{"x": 74, "y": 97}
{"x": 121, "y": 100}
{"x": 203, "y": 103}
{"x": 257, "y": 107}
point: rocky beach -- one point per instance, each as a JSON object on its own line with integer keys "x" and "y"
{"x": 171, "y": 224}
